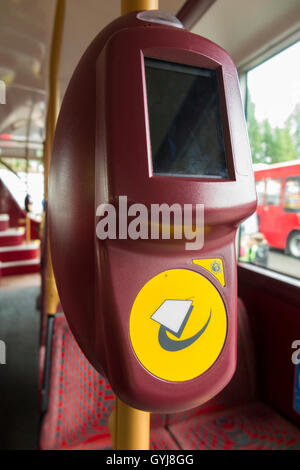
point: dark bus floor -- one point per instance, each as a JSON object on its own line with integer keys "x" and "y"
{"x": 19, "y": 328}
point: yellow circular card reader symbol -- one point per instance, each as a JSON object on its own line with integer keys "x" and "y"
{"x": 178, "y": 325}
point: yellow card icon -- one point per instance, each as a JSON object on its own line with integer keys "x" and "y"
{"x": 178, "y": 325}
{"x": 214, "y": 266}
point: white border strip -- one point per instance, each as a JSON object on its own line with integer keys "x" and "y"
{"x": 273, "y": 274}
{"x": 12, "y": 264}
{"x": 23, "y": 247}
{"x": 12, "y": 232}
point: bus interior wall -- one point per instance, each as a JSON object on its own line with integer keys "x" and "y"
{"x": 273, "y": 308}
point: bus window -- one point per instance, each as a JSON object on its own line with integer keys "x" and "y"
{"x": 292, "y": 195}
{"x": 273, "y": 117}
{"x": 260, "y": 189}
{"x": 273, "y": 191}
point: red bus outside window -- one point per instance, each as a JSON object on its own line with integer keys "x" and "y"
{"x": 278, "y": 188}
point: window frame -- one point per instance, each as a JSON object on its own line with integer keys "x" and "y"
{"x": 264, "y": 56}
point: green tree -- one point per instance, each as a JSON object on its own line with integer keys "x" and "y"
{"x": 295, "y": 127}
{"x": 268, "y": 143}
{"x": 284, "y": 148}
{"x": 254, "y": 132}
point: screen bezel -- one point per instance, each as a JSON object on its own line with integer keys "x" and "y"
{"x": 196, "y": 71}
{"x": 146, "y": 55}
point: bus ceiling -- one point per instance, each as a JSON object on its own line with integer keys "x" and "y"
{"x": 259, "y": 29}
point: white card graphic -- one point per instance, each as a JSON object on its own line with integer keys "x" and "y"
{"x": 173, "y": 315}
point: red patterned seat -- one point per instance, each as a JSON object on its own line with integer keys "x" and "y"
{"x": 80, "y": 401}
{"x": 248, "y": 427}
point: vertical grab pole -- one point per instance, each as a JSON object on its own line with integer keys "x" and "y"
{"x": 52, "y": 298}
{"x": 130, "y": 428}
{"x": 27, "y": 228}
{"x": 51, "y": 293}
{"x": 138, "y": 5}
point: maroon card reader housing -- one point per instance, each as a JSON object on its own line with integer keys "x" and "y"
{"x": 103, "y": 150}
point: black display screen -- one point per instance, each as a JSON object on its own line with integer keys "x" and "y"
{"x": 185, "y": 120}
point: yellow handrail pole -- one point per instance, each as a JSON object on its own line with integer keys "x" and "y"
{"x": 52, "y": 298}
{"x": 138, "y": 5}
{"x": 130, "y": 428}
{"x": 27, "y": 228}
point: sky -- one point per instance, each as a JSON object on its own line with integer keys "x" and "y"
{"x": 274, "y": 86}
